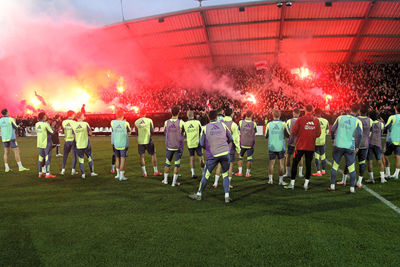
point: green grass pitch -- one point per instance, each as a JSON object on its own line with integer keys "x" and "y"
{"x": 100, "y": 221}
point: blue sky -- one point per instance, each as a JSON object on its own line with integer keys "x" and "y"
{"x": 109, "y": 11}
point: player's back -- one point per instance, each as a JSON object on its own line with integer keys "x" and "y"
{"x": 292, "y": 138}
{"x": 216, "y": 141}
{"x": 68, "y": 130}
{"x": 7, "y": 130}
{"x": 394, "y": 120}
{"x": 376, "y": 134}
{"x": 144, "y": 127}
{"x": 346, "y": 130}
{"x": 173, "y": 134}
{"x": 276, "y": 136}
{"x": 321, "y": 140}
{"x": 43, "y": 133}
{"x": 81, "y": 130}
{"x": 192, "y": 130}
{"x": 120, "y": 130}
{"x": 247, "y": 133}
{"x": 366, "y": 127}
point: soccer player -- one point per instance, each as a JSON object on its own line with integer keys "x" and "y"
{"x": 193, "y": 131}
{"x": 375, "y": 148}
{"x": 364, "y": 145}
{"x": 291, "y": 143}
{"x": 393, "y": 125}
{"x": 173, "y": 129}
{"x": 55, "y": 124}
{"x": 233, "y": 146}
{"x": 82, "y": 132}
{"x": 215, "y": 139}
{"x": 306, "y": 129}
{"x": 121, "y": 130}
{"x": 144, "y": 128}
{"x": 8, "y": 129}
{"x": 44, "y": 132}
{"x": 346, "y": 134}
{"x": 69, "y": 144}
{"x": 275, "y": 133}
{"x": 248, "y": 130}
{"x": 320, "y": 144}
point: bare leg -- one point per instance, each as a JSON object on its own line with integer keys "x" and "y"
{"x": 16, "y": 154}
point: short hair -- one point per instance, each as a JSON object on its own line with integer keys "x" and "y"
{"x": 190, "y": 114}
{"x": 228, "y": 111}
{"x": 70, "y": 113}
{"x": 309, "y": 108}
{"x": 296, "y": 111}
{"x": 355, "y": 108}
{"x": 364, "y": 109}
{"x": 373, "y": 115}
{"x": 213, "y": 115}
{"x": 78, "y": 115}
{"x": 276, "y": 113}
{"x": 318, "y": 111}
{"x": 249, "y": 113}
{"x": 41, "y": 115}
{"x": 120, "y": 113}
{"x": 4, "y": 112}
{"x": 175, "y": 111}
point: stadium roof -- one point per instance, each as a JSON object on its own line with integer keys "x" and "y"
{"x": 242, "y": 34}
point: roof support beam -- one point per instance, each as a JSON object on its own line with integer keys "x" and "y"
{"x": 280, "y": 33}
{"x": 361, "y": 30}
{"x": 207, "y": 34}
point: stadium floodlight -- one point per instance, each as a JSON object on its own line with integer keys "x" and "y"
{"x": 279, "y": 4}
{"x": 200, "y": 2}
{"x": 288, "y": 3}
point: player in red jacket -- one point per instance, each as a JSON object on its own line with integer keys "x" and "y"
{"x": 306, "y": 129}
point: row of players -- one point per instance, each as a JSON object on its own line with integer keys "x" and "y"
{"x": 353, "y": 135}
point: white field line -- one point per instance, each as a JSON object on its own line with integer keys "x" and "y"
{"x": 372, "y": 192}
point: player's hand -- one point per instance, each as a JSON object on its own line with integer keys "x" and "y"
{"x": 355, "y": 152}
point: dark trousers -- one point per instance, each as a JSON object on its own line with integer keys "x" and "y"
{"x": 298, "y": 154}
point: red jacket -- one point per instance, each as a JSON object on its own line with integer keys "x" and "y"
{"x": 307, "y": 129}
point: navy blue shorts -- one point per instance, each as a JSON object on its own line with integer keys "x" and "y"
{"x": 232, "y": 155}
{"x": 249, "y": 151}
{"x": 149, "y": 147}
{"x": 290, "y": 150}
{"x": 169, "y": 155}
{"x": 198, "y": 151}
{"x": 274, "y": 155}
{"x": 12, "y": 143}
{"x": 121, "y": 153}
{"x": 374, "y": 151}
{"x": 320, "y": 150}
{"x": 390, "y": 148}
{"x": 362, "y": 154}
{"x": 348, "y": 154}
{"x": 85, "y": 151}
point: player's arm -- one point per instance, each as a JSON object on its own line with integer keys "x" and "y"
{"x": 267, "y": 131}
{"x": 182, "y": 125}
{"x": 90, "y": 133}
{"x": 286, "y": 131}
{"x": 14, "y": 124}
{"x": 255, "y": 128}
{"x": 334, "y": 128}
{"x": 327, "y": 128}
{"x": 358, "y": 134}
{"x": 49, "y": 129}
{"x": 202, "y": 141}
{"x": 236, "y": 137}
{"x": 318, "y": 128}
{"x": 288, "y": 122}
{"x": 151, "y": 127}
{"x": 128, "y": 127}
{"x": 136, "y": 128}
{"x": 390, "y": 122}
{"x": 165, "y": 127}
{"x": 228, "y": 134}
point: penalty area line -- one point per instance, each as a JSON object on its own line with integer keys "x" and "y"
{"x": 372, "y": 192}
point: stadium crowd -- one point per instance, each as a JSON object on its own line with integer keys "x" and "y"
{"x": 273, "y": 87}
